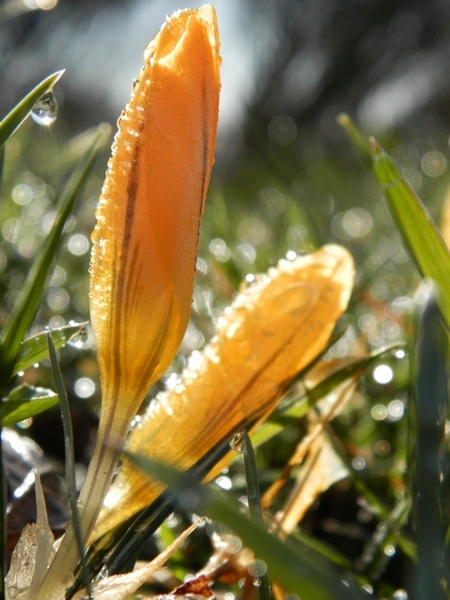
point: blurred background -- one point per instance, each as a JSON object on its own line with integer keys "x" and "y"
{"x": 286, "y": 177}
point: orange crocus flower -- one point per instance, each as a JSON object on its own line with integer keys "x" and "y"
{"x": 146, "y": 238}
{"x": 148, "y": 219}
{"x": 275, "y": 328}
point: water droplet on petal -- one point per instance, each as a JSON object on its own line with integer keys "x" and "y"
{"x": 45, "y": 111}
{"x": 237, "y": 442}
{"x": 291, "y": 255}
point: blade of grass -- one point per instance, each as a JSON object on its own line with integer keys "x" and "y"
{"x": 29, "y": 299}
{"x": 428, "y": 413}
{"x": 299, "y": 405}
{"x": 35, "y": 348}
{"x": 254, "y": 503}
{"x": 123, "y": 553}
{"x": 2, "y": 164}
{"x": 25, "y": 402}
{"x": 420, "y": 234}
{"x": 149, "y": 520}
{"x": 375, "y": 504}
{"x": 21, "y": 111}
{"x": 301, "y": 572}
{"x": 70, "y": 460}
{"x": 359, "y": 140}
{"x": 324, "y": 550}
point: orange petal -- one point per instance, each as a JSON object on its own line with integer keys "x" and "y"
{"x": 275, "y": 328}
{"x": 148, "y": 219}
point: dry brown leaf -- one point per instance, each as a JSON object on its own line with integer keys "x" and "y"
{"x": 31, "y": 555}
{"x": 121, "y": 587}
{"x": 320, "y": 470}
{"x": 274, "y": 329}
{"x": 198, "y": 586}
{"x": 321, "y": 466}
{"x": 329, "y": 407}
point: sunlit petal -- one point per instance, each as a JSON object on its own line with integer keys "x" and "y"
{"x": 145, "y": 242}
{"x": 276, "y": 327}
{"x": 148, "y": 219}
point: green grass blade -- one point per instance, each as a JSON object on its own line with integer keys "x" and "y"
{"x": 251, "y": 475}
{"x": 25, "y": 402}
{"x": 35, "y": 348}
{"x": 299, "y": 571}
{"x": 359, "y": 140}
{"x": 70, "y": 459}
{"x": 29, "y": 299}
{"x": 2, "y": 164}
{"x": 21, "y": 111}
{"x": 323, "y": 549}
{"x": 254, "y": 503}
{"x": 420, "y": 234}
{"x": 375, "y": 503}
{"x": 146, "y": 523}
{"x": 300, "y": 405}
{"x": 428, "y": 408}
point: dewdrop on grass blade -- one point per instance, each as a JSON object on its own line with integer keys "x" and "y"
{"x": 145, "y": 242}
{"x": 45, "y": 111}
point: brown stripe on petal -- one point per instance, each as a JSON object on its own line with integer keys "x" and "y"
{"x": 124, "y": 272}
{"x": 155, "y": 355}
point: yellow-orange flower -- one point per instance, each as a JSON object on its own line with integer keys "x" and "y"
{"x": 148, "y": 219}
{"x": 145, "y": 241}
{"x": 274, "y": 329}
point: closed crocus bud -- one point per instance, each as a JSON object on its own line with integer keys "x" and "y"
{"x": 148, "y": 219}
{"x": 276, "y": 327}
{"x": 145, "y": 241}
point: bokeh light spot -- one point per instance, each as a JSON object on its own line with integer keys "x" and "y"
{"x": 59, "y": 277}
{"x": 383, "y": 374}
{"x": 434, "y": 163}
{"x": 220, "y": 250}
{"x": 358, "y": 463}
{"x": 282, "y": 130}
{"x": 58, "y": 299}
{"x": 245, "y": 254}
{"x": 84, "y": 387}
{"x": 253, "y": 230}
{"x": 78, "y": 244}
{"x": 379, "y": 412}
{"x": 396, "y": 410}
{"x": 351, "y": 224}
{"x": 11, "y": 230}
{"x": 22, "y": 194}
{"x": 382, "y": 447}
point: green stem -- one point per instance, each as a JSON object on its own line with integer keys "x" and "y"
{"x": 101, "y": 469}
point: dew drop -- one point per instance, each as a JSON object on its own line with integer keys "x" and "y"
{"x": 291, "y": 255}
{"x": 45, "y": 111}
{"x": 237, "y": 442}
{"x": 250, "y": 279}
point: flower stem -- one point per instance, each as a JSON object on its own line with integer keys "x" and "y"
{"x": 101, "y": 469}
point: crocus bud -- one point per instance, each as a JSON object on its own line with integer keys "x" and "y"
{"x": 148, "y": 219}
{"x": 276, "y": 327}
{"x": 145, "y": 242}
